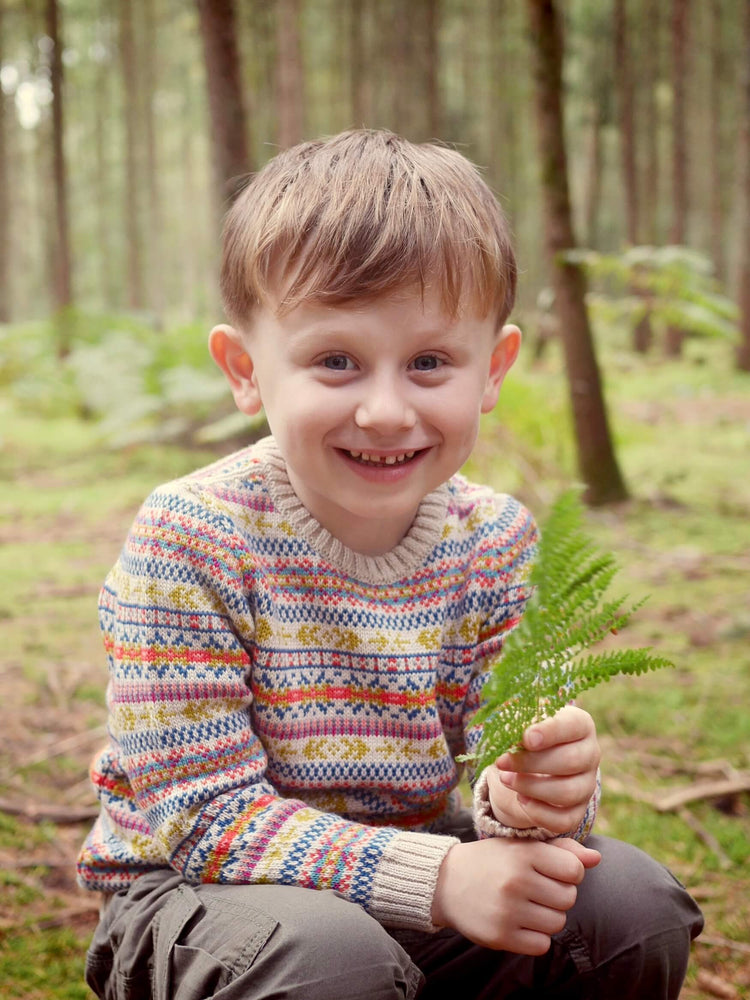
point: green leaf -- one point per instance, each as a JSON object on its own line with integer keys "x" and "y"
{"x": 542, "y": 667}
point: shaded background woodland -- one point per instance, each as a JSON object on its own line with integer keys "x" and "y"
{"x": 124, "y": 123}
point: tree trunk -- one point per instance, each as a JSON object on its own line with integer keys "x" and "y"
{"x": 674, "y": 335}
{"x": 150, "y": 64}
{"x": 108, "y": 284}
{"x": 679, "y": 122}
{"x": 650, "y": 75}
{"x": 229, "y": 125}
{"x": 743, "y": 351}
{"x": 715, "y": 145}
{"x": 596, "y": 457}
{"x": 63, "y": 293}
{"x": 432, "y": 68}
{"x": 132, "y": 167}
{"x": 626, "y": 119}
{"x": 5, "y": 223}
{"x": 359, "y": 66}
{"x": 290, "y": 99}
{"x": 594, "y": 174}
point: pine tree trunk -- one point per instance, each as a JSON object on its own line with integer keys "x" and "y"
{"x": 150, "y": 63}
{"x": 359, "y": 66}
{"x": 63, "y": 293}
{"x": 649, "y": 71}
{"x": 674, "y": 335}
{"x": 108, "y": 284}
{"x": 229, "y": 124}
{"x": 432, "y": 75}
{"x": 594, "y": 175}
{"x": 290, "y": 98}
{"x": 5, "y": 223}
{"x": 626, "y": 119}
{"x": 743, "y": 351}
{"x": 596, "y": 458}
{"x": 715, "y": 145}
{"x": 132, "y": 212}
{"x": 679, "y": 121}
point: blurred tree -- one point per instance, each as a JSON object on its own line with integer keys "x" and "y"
{"x": 5, "y": 223}
{"x": 290, "y": 76}
{"x": 648, "y": 73}
{"x": 104, "y": 182}
{"x": 63, "y": 289}
{"x": 150, "y": 64}
{"x": 715, "y": 146}
{"x": 626, "y": 118}
{"x": 596, "y": 457}
{"x": 359, "y": 70}
{"x": 743, "y": 352}
{"x": 229, "y": 120}
{"x": 678, "y": 235}
{"x": 132, "y": 193}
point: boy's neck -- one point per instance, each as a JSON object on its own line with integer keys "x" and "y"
{"x": 367, "y": 536}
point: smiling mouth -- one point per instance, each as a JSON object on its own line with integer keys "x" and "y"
{"x": 371, "y": 458}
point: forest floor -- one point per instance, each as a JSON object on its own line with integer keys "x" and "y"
{"x": 683, "y": 432}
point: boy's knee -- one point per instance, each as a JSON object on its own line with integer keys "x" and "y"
{"x": 325, "y": 947}
{"x": 633, "y": 916}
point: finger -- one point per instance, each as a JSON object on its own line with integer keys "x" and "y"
{"x": 588, "y": 856}
{"x": 561, "y": 822}
{"x": 565, "y": 726}
{"x": 555, "y": 895}
{"x": 560, "y": 792}
{"x": 562, "y": 759}
{"x": 543, "y": 919}
{"x": 526, "y": 942}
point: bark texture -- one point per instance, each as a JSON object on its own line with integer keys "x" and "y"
{"x": 596, "y": 457}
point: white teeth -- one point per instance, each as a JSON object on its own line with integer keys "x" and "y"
{"x": 364, "y": 456}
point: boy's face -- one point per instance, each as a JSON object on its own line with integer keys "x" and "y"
{"x": 373, "y": 405}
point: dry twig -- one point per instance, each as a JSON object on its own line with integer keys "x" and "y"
{"x": 40, "y": 812}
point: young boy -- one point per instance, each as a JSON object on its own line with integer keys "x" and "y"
{"x": 297, "y": 636}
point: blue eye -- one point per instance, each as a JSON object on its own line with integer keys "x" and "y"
{"x": 337, "y": 363}
{"x": 426, "y": 363}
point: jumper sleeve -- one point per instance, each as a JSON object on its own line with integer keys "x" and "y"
{"x": 183, "y": 782}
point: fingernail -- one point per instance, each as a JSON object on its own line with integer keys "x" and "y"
{"x": 534, "y": 738}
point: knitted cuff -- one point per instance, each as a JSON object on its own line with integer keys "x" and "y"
{"x": 487, "y": 826}
{"x": 405, "y": 880}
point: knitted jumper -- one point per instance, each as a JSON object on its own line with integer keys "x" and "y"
{"x": 285, "y": 710}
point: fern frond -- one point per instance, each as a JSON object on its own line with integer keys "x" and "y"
{"x": 542, "y": 667}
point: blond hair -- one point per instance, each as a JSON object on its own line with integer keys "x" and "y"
{"x": 364, "y": 213}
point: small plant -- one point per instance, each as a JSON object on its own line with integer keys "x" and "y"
{"x": 659, "y": 287}
{"x": 542, "y": 666}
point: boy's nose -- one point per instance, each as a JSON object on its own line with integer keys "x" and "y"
{"x": 385, "y": 408}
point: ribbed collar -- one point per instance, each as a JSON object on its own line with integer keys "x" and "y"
{"x": 402, "y": 561}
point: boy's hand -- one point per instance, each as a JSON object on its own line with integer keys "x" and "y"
{"x": 550, "y": 781}
{"x": 509, "y": 894}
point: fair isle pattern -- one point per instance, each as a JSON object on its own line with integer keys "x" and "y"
{"x": 284, "y": 710}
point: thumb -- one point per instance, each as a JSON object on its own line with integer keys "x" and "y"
{"x": 588, "y": 857}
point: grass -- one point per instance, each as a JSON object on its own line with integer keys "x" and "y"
{"x": 682, "y": 431}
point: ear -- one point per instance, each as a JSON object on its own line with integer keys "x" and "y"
{"x": 228, "y": 350}
{"x": 504, "y": 353}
